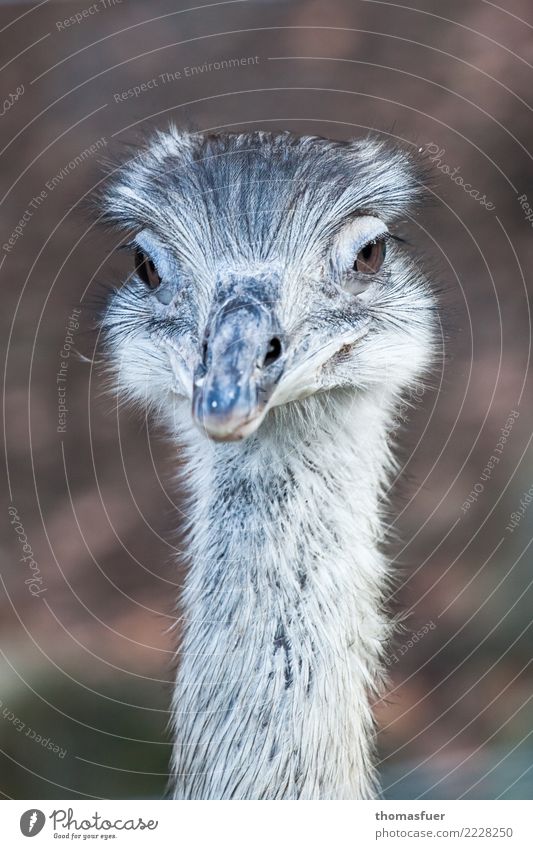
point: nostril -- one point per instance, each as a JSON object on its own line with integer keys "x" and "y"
{"x": 273, "y": 352}
{"x": 204, "y": 351}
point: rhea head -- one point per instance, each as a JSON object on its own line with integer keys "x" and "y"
{"x": 266, "y": 269}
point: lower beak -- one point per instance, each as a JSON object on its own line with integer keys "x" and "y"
{"x": 242, "y": 364}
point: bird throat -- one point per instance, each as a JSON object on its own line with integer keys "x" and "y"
{"x": 282, "y": 622}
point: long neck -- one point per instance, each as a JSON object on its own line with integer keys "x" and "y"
{"x": 282, "y": 614}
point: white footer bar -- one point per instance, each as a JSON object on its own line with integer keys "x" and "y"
{"x": 272, "y": 825}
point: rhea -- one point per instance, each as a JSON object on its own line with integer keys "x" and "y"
{"x": 272, "y": 321}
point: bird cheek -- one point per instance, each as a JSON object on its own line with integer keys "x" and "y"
{"x": 182, "y": 359}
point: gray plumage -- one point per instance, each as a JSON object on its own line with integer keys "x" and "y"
{"x": 272, "y": 324}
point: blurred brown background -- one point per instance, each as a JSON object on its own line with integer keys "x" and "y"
{"x": 86, "y": 653}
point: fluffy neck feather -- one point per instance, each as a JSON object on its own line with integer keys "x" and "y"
{"x": 282, "y": 608}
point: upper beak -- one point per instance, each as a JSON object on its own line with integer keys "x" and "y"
{"x": 243, "y": 360}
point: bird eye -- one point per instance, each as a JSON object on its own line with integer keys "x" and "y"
{"x": 370, "y": 257}
{"x": 146, "y": 269}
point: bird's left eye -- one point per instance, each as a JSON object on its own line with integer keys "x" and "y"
{"x": 370, "y": 257}
{"x": 145, "y": 268}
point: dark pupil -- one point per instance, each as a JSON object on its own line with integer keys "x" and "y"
{"x": 146, "y": 269}
{"x": 367, "y": 251}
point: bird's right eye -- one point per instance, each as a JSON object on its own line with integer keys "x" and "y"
{"x": 145, "y": 268}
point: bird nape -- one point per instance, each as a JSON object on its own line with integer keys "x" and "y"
{"x": 272, "y": 323}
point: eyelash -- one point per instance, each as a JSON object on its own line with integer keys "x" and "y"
{"x": 395, "y": 238}
{"x": 383, "y": 237}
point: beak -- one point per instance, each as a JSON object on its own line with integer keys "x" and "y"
{"x": 243, "y": 360}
